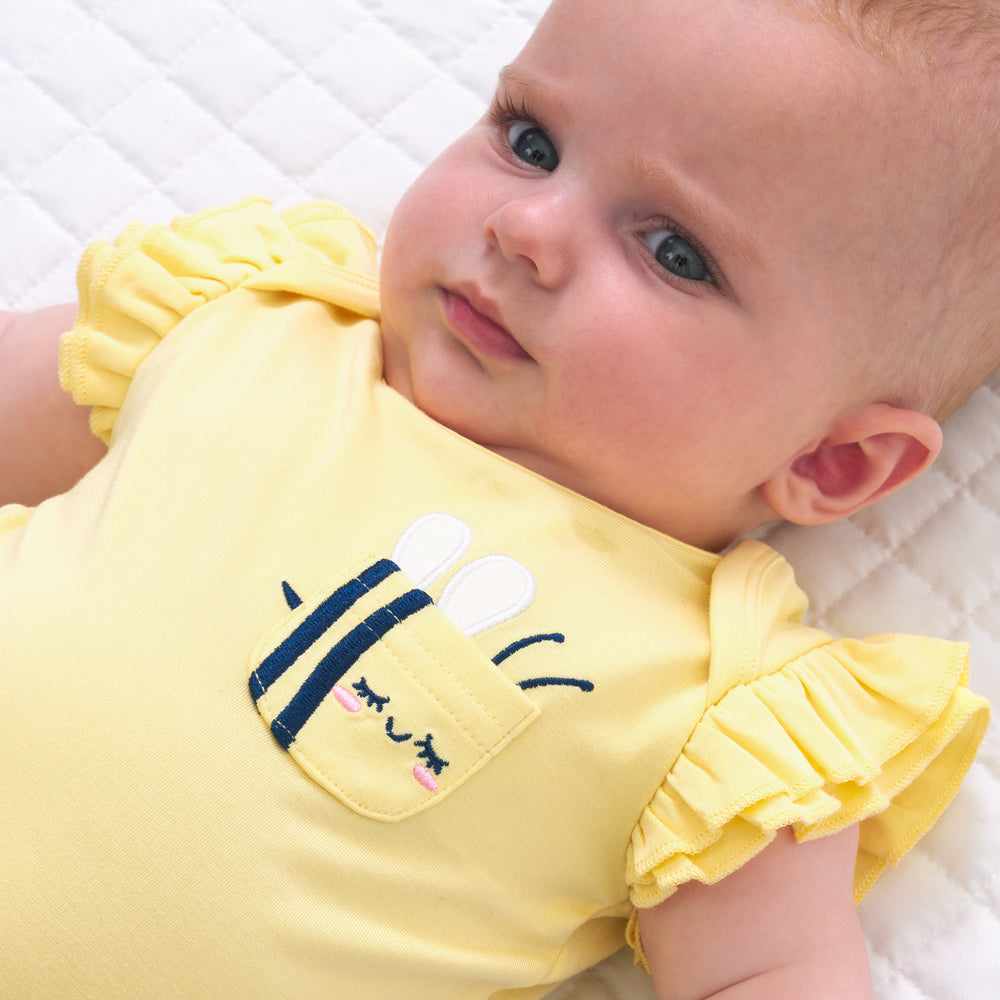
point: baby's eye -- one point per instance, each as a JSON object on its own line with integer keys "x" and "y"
{"x": 531, "y": 144}
{"x": 675, "y": 254}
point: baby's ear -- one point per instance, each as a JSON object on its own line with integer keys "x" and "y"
{"x": 863, "y": 458}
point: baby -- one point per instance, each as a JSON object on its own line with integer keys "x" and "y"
{"x": 700, "y": 267}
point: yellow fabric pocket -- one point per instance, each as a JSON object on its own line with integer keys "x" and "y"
{"x": 379, "y": 697}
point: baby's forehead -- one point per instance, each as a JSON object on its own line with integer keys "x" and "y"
{"x": 824, "y": 102}
{"x": 872, "y": 148}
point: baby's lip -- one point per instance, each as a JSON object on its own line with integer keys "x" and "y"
{"x": 478, "y": 321}
{"x": 481, "y": 302}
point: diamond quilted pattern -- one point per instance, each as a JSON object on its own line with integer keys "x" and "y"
{"x": 210, "y": 70}
{"x": 113, "y": 110}
{"x": 158, "y": 33}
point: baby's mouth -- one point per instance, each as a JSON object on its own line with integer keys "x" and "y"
{"x": 476, "y": 322}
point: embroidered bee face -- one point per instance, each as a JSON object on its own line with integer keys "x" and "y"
{"x": 378, "y": 692}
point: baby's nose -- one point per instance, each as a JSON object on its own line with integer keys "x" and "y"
{"x": 536, "y": 230}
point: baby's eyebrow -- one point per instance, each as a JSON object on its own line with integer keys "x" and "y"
{"x": 694, "y": 210}
{"x": 511, "y": 78}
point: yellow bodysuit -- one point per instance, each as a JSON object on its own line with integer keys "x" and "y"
{"x": 308, "y": 697}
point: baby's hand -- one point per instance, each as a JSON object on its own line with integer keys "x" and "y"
{"x": 782, "y": 926}
{"x": 47, "y": 444}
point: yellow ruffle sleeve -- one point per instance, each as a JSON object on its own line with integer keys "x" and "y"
{"x": 878, "y": 732}
{"x": 135, "y": 290}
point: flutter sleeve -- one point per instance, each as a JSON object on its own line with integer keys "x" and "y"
{"x": 134, "y": 291}
{"x": 808, "y": 732}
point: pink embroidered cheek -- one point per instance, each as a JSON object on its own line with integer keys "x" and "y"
{"x": 425, "y": 777}
{"x": 346, "y": 699}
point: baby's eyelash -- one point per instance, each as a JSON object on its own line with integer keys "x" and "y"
{"x": 504, "y": 111}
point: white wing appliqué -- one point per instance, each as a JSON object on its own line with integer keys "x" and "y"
{"x": 489, "y": 591}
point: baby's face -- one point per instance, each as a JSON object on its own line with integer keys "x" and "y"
{"x": 648, "y": 273}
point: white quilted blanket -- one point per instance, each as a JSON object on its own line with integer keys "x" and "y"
{"x": 117, "y": 109}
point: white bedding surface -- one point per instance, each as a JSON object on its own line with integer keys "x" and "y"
{"x": 117, "y": 109}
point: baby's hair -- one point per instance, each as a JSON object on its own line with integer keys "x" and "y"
{"x": 887, "y": 27}
{"x": 958, "y": 41}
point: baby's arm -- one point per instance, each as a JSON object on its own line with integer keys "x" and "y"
{"x": 782, "y": 926}
{"x": 47, "y": 444}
